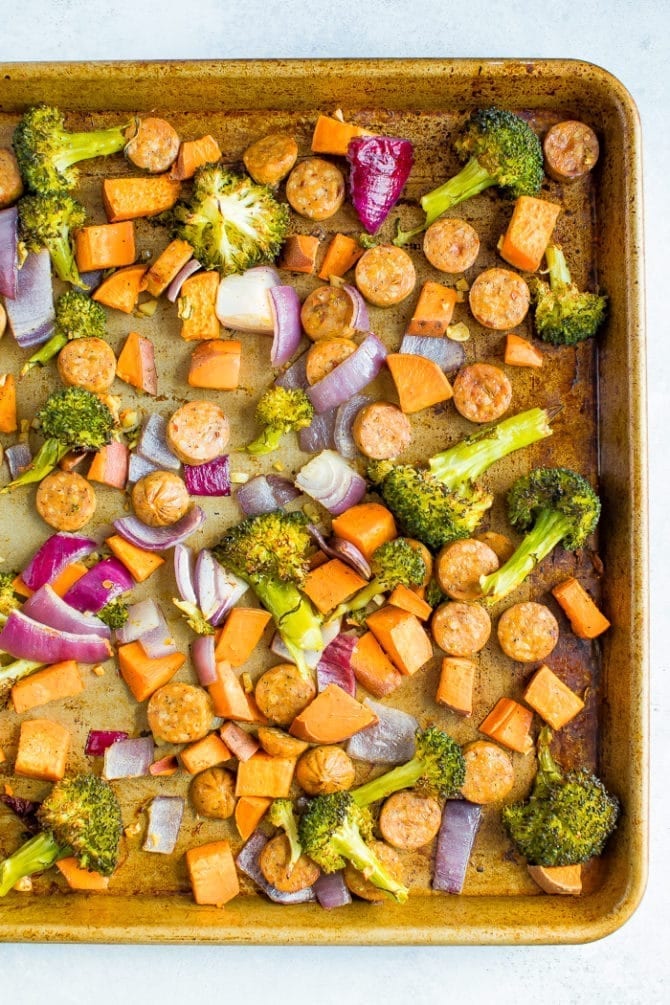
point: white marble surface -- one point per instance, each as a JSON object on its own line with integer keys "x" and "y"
{"x": 631, "y": 40}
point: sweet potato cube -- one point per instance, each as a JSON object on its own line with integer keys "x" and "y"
{"x": 144, "y": 675}
{"x": 215, "y": 364}
{"x": 509, "y": 724}
{"x": 61, "y": 680}
{"x": 372, "y": 667}
{"x": 43, "y": 749}
{"x": 402, "y": 637}
{"x": 409, "y": 600}
{"x": 205, "y": 753}
{"x": 456, "y": 684}
{"x": 167, "y": 265}
{"x": 267, "y": 776}
{"x": 249, "y": 811}
{"x": 240, "y": 634}
{"x": 211, "y": 870}
{"x": 367, "y": 525}
{"x": 81, "y": 879}
{"x": 331, "y": 584}
{"x": 434, "y": 310}
{"x": 553, "y": 700}
{"x": 333, "y": 716}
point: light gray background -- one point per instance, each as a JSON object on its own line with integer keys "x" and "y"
{"x": 630, "y": 39}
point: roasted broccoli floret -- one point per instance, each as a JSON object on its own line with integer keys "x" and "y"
{"x": 445, "y": 503}
{"x": 568, "y": 817}
{"x": 271, "y": 553}
{"x": 81, "y": 816}
{"x": 46, "y": 152}
{"x": 500, "y": 149}
{"x": 564, "y": 315}
{"x": 231, "y": 222}
{"x": 48, "y": 221}
{"x": 395, "y": 563}
{"x": 194, "y": 617}
{"x": 114, "y": 614}
{"x": 77, "y": 316}
{"x": 282, "y": 814}
{"x": 9, "y": 600}
{"x": 280, "y": 411}
{"x": 437, "y": 768}
{"x": 333, "y": 831}
{"x": 561, "y": 508}
{"x": 73, "y": 419}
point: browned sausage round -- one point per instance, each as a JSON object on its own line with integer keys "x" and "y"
{"x": 277, "y": 743}
{"x": 326, "y": 313}
{"x": 385, "y": 275}
{"x": 160, "y": 499}
{"x": 274, "y": 864}
{"x": 325, "y": 769}
{"x": 89, "y": 363}
{"x": 409, "y": 820}
{"x": 499, "y": 298}
{"x": 270, "y": 159}
{"x": 460, "y": 629}
{"x": 282, "y": 692}
{"x": 498, "y": 543}
{"x": 482, "y": 393}
{"x": 11, "y": 186}
{"x": 212, "y": 793}
{"x": 451, "y": 245}
{"x": 179, "y": 713}
{"x": 362, "y": 887}
{"x": 65, "y": 500}
{"x": 154, "y": 146}
{"x": 325, "y": 355}
{"x": 489, "y": 772}
{"x": 381, "y": 430}
{"x": 315, "y": 188}
{"x": 570, "y": 150}
{"x": 198, "y": 432}
{"x": 459, "y": 565}
{"x": 527, "y": 632}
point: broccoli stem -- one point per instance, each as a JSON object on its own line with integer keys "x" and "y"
{"x": 358, "y": 601}
{"x": 549, "y": 530}
{"x": 298, "y": 657}
{"x": 45, "y": 353}
{"x": 50, "y": 453}
{"x": 405, "y": 776}
{"x": 468, "y": 460}
{"x": 83, "y": 146}
{"x": 36, "y": 855}
{"x": 348, "y": 842}
{"x": 268, "y": 441}
{"x": 292, "y": 612}
{"x": 548, "y": 772}
{"x": 559, "y": 273}
{"x": 62, "y": 259}
{"x": 470, "y": 181}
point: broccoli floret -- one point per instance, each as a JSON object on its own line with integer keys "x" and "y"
{"x": 77, "y": 316}
{"x": 564, "y": 315}
{"x": 437, "y": 768}
{"x": 114, "y": 614}
{"x": 500, "y": 149}
{"x": 445, "y": 503}
{"x": 395, "y": 563}
{"x": 561, "y": 508}
{"x": 81, "y": 816}
{"x": 567, "y": 818}
{"x": 333, "y": 831}
{"x": 231, "y": 222}
{"x": 195, "y": 619}
{"x": 434, "y": 595}
{"x": 9, "y": 600}
{"x": 280, "y": 411}
{"x": 48, "y": 221}
{"x": 73, "y": 419}
{"x": 271, "y": 553}
{"x": 46, "y": 152}
{"x": 282, "y": 814}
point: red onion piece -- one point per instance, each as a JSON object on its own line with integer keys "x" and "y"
{"x": 160, "y": 538}
{"x": 379, "y": 168}
{"x": 158, "y": 642}
{"x": 204, "y": 660}
{"x": 242, "y": 301}
{"x": 104, "y": 582}
{"x": 329, "y": 479}
{"x": 152, "y": 444}
{"x": 143, "y": 617}
{"x": 25, "y": 810}
{"x": 447, "y": 354}
{"x": 346, "y": 413}
{"x": 19, "y": 457}
{"x": 331, "y": 890}
{"x": 389, "y": 741}
{"x": 26, "y": 639}
{"x": 283, "y": 490}
{"x": 174, "y": 289}
{"x": 184, "y": 571}
{"x": 9, "y": 265}
{"x": 31, "y": 314}
{"x": 240, "y": 743}
{"x": 285, "y": 308}
{"x": 92, "y": 279}
{"x": 128, "y": 758}
{"x": 139, "y": 467}
{"x": 347, "y": 552}
{"x": 264, "y": 494}
{"x": 350, "y": 377}
{"x": 48, "y": 608}
{"x": 334, "y": 667}
{"x": 165, "y": 814}
{"x": 361, "y": 319}
{"x": 209, "y": 479}
{"x": 295, "y": 376}
{"x": 247, "y": 862}
{"x": 98, "y": 740}
{"x": 320, "y": 434}
{"x": 56, "y": 553}
{"x": 460, "y": 820}
{"x": 217, "y": 589}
